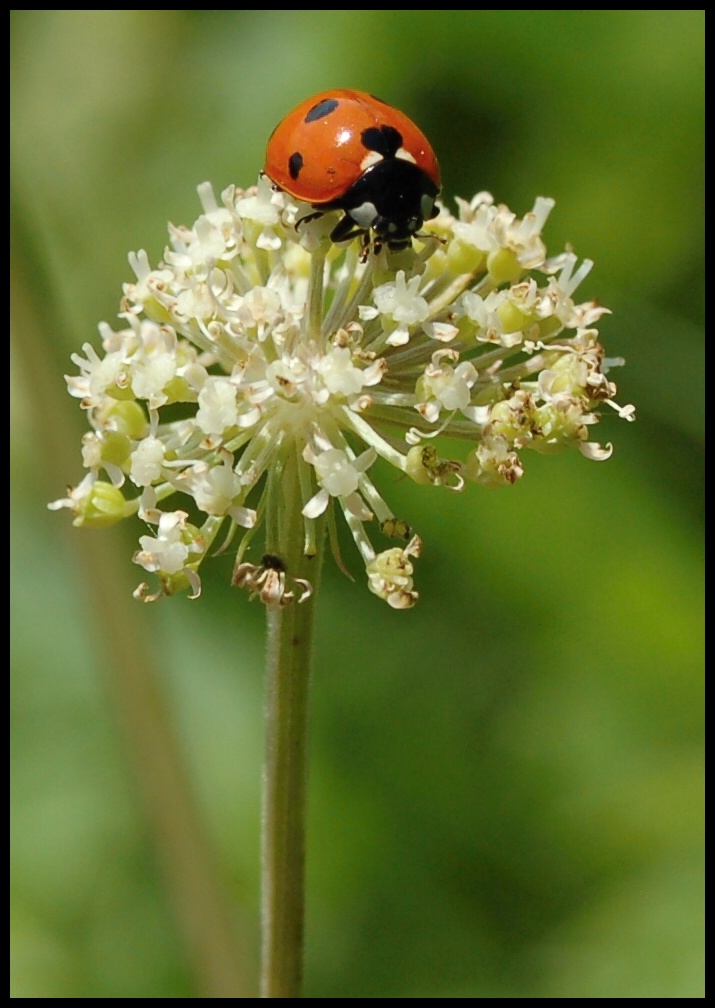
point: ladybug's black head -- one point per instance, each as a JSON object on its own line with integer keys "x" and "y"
{"x": 393, "y": 198}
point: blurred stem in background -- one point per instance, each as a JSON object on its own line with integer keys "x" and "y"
{"x": 130, "y": 668}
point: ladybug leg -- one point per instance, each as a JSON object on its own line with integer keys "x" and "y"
{"x": 308, "y": 218}
{"x": 346, "y": 229}
{"x": 427, "y": 235}
{"x": 366, "y": 246}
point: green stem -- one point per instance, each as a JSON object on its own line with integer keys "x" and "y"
{"x": 284, "y": 782}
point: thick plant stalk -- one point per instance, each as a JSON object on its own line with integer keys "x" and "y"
{"x": 288, "y": 664}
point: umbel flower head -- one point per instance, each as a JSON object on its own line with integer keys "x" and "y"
{"x": 258, "y": 349}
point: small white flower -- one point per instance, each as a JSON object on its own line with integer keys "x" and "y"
{"x": 340, "y": 375}
{"x": 389, "y": 575}
{"x": 262, "y": 208}
{"x": 475, "y": 226}
{"x": 169, "y": 554}
{"x": 402, "y": 307}
{"x": 167, "y": 551}
{"x": 337, "y": 474}
{"x": 96, "y": 374}
{"x": 445, "y": 387}
{"x": 217, "y": 490}
{"x": 147, "y": 460}
{"x": 218, "y": 408}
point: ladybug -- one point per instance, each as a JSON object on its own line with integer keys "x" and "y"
{"x": 347, "y": 150}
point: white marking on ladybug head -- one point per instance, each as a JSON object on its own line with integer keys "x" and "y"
{"x": 427, "y": 207}
{"x": 364, "y": 215}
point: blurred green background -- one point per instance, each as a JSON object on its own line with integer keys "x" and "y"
{"x": 506, "y": 782}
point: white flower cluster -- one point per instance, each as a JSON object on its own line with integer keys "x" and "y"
{"x": 257, "y": 345}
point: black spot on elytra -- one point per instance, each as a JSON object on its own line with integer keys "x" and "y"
{"x": 295, "y": 164}
{"x": 323, "y": 108}
{"x": 385, "y": 140}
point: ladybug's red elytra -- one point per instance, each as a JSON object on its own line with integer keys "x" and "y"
{"x": 347, "y": 150}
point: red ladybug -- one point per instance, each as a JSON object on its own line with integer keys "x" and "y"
{"x": 347, "y": 150}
